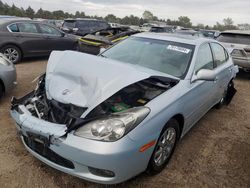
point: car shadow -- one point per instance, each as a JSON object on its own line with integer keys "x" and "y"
{"x": 33, "y": 59}
{"x": 243, "y": 75}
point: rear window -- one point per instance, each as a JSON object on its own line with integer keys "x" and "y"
{"x": 157, "y": 29}
{"x": 27, "y": 27}
{"x": 69, "y": 24}
{"x": 234, "y": 38}
{"x": 91, "y": 24}
{"x": 13, "y": 28}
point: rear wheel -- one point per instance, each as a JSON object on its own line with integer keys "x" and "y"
{"x": 165, "y": 147}
{"x": 227, "y": 95}
{"x": 12, "y": 52}
{"x": 1, "y": 90}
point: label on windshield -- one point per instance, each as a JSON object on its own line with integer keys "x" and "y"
{"x": 178, "y": 49}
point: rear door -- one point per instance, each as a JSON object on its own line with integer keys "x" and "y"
{"x": 32, "y": 39}
{"x": 223, "y": 68}
{"x": 54, "y": 39}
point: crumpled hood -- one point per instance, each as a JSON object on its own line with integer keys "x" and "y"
{"x": 86, "y": 80}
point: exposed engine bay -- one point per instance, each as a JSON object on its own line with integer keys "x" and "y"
{"x": 134, "y": 95}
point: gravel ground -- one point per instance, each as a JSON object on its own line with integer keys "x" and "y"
{"x": 215, "y": 153}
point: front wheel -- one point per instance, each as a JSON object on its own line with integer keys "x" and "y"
{"x": 12, "y": 52}
{"x": 1, "y": 91}
{"x": 165, "y": 147}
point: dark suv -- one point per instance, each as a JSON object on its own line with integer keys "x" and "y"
{"x": 83, "y": 26}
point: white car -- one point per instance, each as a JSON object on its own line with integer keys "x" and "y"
{"x": 108, "y": 118}
{"x": 238, "y": 44}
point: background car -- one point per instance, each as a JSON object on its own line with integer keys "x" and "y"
{"x": 209, "y": 33}
{"x": 56, "y": 23}
{"x": 110, "y": 117}
{"x": 92, "y": 43}
{"x": 25, "y": 38}
{"x": 159, "y": 29}
{"x": 7, "y": 75}
{"x": 83, "y": 26}
{"x": 238, "y": 43}
{"x": 189, "y": 32}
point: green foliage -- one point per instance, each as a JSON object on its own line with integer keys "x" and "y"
{"x": 184, "y": 21}
{"x": 30, "y": 12}
{"x": 227, "y": 25}
{"x": 147, "y": 16}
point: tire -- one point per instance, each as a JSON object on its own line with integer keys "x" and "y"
{"x": 157, "y": 163}
{"x": 227, "y": 95}
{"x": 1, "y": 90}
{"x": 12, "y": 52}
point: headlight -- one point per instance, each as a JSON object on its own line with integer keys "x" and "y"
{"x": 114, "y": 126}
{"x": 4, "y": 60}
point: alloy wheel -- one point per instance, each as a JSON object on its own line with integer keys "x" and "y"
{"x": 12, "y": 54}
{"x": 165, "y": 146}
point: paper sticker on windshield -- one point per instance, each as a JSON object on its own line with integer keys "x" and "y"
{"x": 178, "y": 49}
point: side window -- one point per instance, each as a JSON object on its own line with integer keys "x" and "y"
{"x": 204, "y": 58}
{"x": 82, "y": 24}
{"x": 13, "y": 28}
{"x": 49, "y": 30}
{"x": 219, "y": 54}
{"x": 27, "y": 28}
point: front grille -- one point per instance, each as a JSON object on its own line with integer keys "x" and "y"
{"x": 46, "y": 152}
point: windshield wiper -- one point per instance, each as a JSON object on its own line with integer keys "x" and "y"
{"x": 103, "y": 55}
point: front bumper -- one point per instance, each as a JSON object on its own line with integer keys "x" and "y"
{"x": 243, "y": 63}
{"x": 122, "y": 157}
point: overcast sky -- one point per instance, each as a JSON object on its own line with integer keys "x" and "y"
{"x": 199, "y": 11}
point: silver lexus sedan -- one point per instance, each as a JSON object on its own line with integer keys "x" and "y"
{"x": 110, "y": 117}
{"x": 7, "y": 75}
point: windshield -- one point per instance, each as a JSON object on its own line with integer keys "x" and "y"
{"x": 165, "y": 56}
{"x": 234, "y": 38}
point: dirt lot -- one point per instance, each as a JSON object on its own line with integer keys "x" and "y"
{"x": 215, "y": 153}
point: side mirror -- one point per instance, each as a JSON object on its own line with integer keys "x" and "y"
{"x": 62, "y": 34}
{"x": 205, "y": 74}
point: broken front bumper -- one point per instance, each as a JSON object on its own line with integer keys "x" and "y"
{"x": 101, "y": 162}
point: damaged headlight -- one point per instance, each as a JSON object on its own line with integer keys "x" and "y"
{"x": 114, "y": 126}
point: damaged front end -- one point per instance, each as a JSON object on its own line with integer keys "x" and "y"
{"x": 52, "y": 111}
{"x": 108, "y": 121}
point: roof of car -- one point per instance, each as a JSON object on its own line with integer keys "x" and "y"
{"x": 243, "y": 32}
{"x": 188, "y": 39}
{"x": 81, "y": 19}
{"x": 14, "y": 19}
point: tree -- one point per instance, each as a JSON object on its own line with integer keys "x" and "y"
{"x": 79, "y": 14}
{"x": 30, "y": 12}
{"x": 218, "y": 26}
{"x": 200, "y": 26}
{"x": 228, "y": 24}
{"x": 184, "y": 21}
{"x": 228, "y": 21}
{"x": 39, "y": 13}
{"x": 147, "y": 15}
{"x": 58, "y": 14}
{"x": 111, "y": 18}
